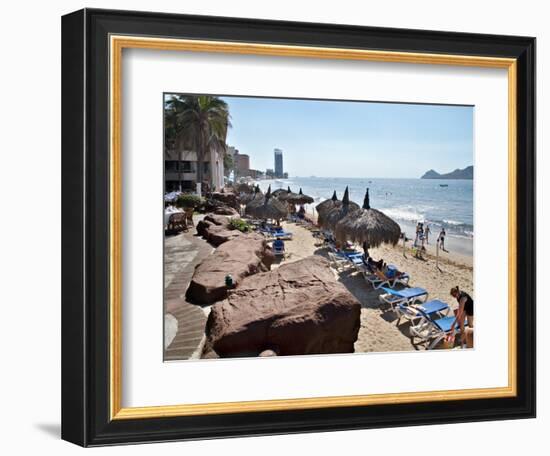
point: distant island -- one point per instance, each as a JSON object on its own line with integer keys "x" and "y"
{"x": 466, "y": 173}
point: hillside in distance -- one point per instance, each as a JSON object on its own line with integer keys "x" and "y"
{"x": 466, "y": 173}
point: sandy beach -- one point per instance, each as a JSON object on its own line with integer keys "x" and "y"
{"x": 379, "y": 330}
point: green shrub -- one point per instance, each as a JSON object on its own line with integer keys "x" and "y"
{"x": 239, "y": 224}
{"x": 188, "y": 200}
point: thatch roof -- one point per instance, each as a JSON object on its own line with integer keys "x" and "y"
{"x": 300, "y": 198}
{"x": 246, "y": 198}
{"x": 267, "y": 207}
{"x": 245, "y": 188}
{"x": 325, "y": 206}
{"x": 279, "y": 191}
{"x": 286, "y": 194}
{"x": 340, "y": 209}
{"x": 368, "y": 225}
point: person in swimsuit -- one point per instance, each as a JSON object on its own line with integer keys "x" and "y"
{"x": 465, "y": 310}
{"x": 441, "y": 239}
{"x": 427, "y": 231}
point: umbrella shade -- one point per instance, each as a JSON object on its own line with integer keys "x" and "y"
{"x": 245, "y": 188}
{"x": 300, "y": 198}
{"x": 329, "y": 217}
{"x": 279, "y": 192}
{"x": 286, "y": 194}
{"x": 267, "y": 208}
{"x": 248, "y": 198}
{"x": 368, "y": 225}
{"x": 327, "y": 205}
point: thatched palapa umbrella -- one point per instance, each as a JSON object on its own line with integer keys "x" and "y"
{"x": 279, "y": 191}
{"x": 286, "y": 194}
{"x": 299, "y": 199}
{"x": 341, "y": 209}
{"x": 256, "y": 193}
{"x": 325, "y": 206}
{"x": 368, "y": 225}
{"x": 267, "y": 207}
{"x": 245, "y": 188}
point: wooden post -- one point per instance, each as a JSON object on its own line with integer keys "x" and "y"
{"x": 437, "y": 254}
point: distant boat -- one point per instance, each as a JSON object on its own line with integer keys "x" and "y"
{"x": 443, "y": 185}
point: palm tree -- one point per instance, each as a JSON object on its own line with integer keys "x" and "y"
{"x": 197, "y": 123}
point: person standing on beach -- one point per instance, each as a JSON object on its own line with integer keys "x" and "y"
{"x": 418, "y": 231}
{"x": 427, "y": 231}
{"x": 465, "y": 310}
{"x": 441, "y": 239}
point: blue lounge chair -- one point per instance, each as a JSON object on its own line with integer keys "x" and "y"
{"x": 281, "y": 234}
{"x": 433, "y": 330}
{"x": 405, "y": 296}
{"x": 416, "y": 312}
{"x": 338, "y": 261}
{"x": 386, "y": 281}
{"x": 279, "y": 247}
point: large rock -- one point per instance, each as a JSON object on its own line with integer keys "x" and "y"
{"x": 217, "y": 235}
{"x": 228, "y": 198}
{"x": 297, "y": 309}
{"x": 226, "y": 210}
{"x": 216, "y": 229}
{"x": 240, "y": 257}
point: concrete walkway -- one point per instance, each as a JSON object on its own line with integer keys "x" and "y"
{"x": 182, "y": 253}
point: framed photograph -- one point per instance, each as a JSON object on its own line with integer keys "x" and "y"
{"x": 279, "y": 227}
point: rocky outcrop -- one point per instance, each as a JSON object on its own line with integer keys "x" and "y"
{"x": 226, "y": 210}
{"x": 466, "y": 173}
{"x": 297, "y": 309}
{"x": 218, "y": 235}
{"x": 245, "y": 255}
{"x": 216, "y": 229}
{"x": 227, "y": 198}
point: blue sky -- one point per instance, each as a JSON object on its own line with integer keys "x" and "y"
{"x": 352, "y": 139}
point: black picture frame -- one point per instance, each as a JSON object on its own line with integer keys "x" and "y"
{"x": 85, "y": 227}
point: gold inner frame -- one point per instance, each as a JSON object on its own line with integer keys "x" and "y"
{"x": 117, "y": 44}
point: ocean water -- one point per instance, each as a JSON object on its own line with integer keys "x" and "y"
{"x": 407, "y": 201}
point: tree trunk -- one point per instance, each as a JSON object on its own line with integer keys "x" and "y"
{"x": 200, "y": 161}
{"x": 179, "y": 171}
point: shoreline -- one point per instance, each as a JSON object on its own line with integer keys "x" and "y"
{"x": 463, "y": 245}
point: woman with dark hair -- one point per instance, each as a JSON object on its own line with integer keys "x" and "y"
{"x": 465, "y": 309}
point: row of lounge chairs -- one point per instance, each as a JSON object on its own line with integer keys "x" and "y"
{"x": 275, "y": 233}
{"x": 430, "y": 320}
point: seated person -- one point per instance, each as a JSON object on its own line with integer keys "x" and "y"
{"x": 372, "y": 264}
{"x": 348, "y": 246}
{"x": 386, "y": 272}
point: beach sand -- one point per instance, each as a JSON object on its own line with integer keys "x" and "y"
{"x": 379, "y": 330}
